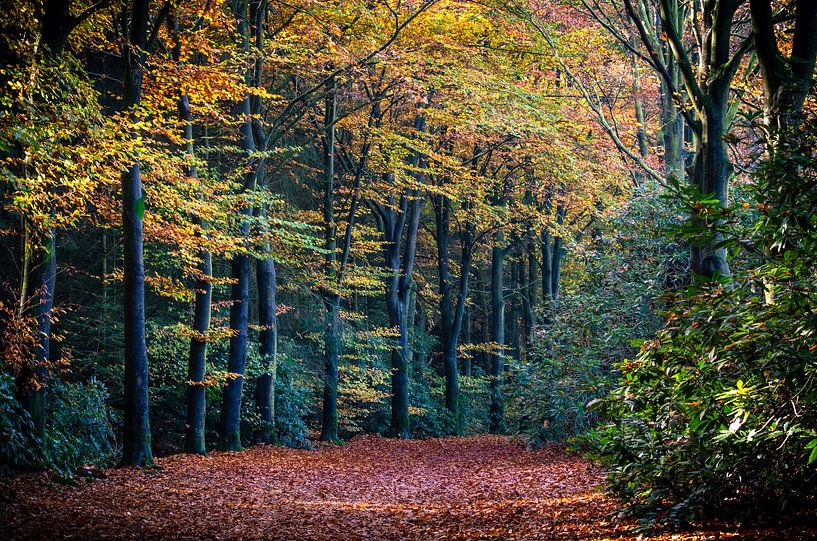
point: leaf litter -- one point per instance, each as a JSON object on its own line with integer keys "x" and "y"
{"x": 373, "y": 488}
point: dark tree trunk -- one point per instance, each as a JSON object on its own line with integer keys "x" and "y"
{"x": 512, "y": 315}
{"x": 467, "y": 338}
{"x": 672, "y": 122}
{"x": 532, "y": 297}
{"x": 230, "y": 422}
{"x": 547, "y": 268}
{"x": 136, "y": 449}
{"x": 708, "y": 88}
{"x": 194, "y": 441}
{"x": 557, "y": 253}
{"x": 399, "y": 297}
{"x": 787, "y": 81}
{"x": 451, "y": 315}
{"x": 32, "y": 385}
{"x": 332, "y": 331}
{"x": 485, "y": 358}
{"x": 711, "y": 171}
{"x": 268, "y": 347}
{"x": 399, "y": 222}
{"x": 496, "y": 415}
{"x": 196, "y": 399}
{"x": 641, "y": 133}
{"x": 332, "y": 344}
{"x": 442, "y": 214}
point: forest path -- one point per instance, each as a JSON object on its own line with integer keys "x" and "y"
{"x": 373, "y": 488}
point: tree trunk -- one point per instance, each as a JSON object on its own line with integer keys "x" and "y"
{"x": 711, "y": 171}
{"x": 787, "y": 81}
{"x": 136, "y": 449}
{"x": 400, "y": 224}
{"x": 332, "y": 344}
{"x": 672, "y": 122}
{"x": 32, "y": 386}
{"x": 557, "y": 253}
{"x": 485, "y": 359}
{"x": 196, "y": 399}
{"x": 230, "y": 422}
{"x": 512, "y": 319}
{"x": 547, "y": 268}
{"x": 401, "y": 357}
{"x": 268, "y": 347}
{"x": 448, "y": 340}
{"x": 467, "y": 339}
{"x": 194, "y": 441}
{"x": 641, "y": 132}
{"x": 332, "y": 333}
{"x": 496, "y": 415}
{"x": 532, "y": 297}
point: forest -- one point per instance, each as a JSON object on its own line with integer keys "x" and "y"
{"x": 408, "y": 269}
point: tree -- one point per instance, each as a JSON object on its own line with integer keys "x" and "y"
{"x": 136, "y": 449}
{"x": 708, "y": 90}
{"x": 787, "y": 81}
{"x": 230, "y": 422}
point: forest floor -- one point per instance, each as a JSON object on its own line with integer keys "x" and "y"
{"x": 372, "y": 488}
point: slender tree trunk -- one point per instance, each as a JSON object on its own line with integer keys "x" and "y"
{"x": 496, "y": 415}
{"x": 230, "y": 422}
{"x": 332, "y": 332}
{"x": 401, "y": 357}
{"x": 136, "y": 449}
{"x": 268, "y": 347}
{"x": 32, "y": 385}
{"x": 547, "y": 267}
{"x": 711, "y": 171}
{"x": 512, "y": 319}
{"x": 400, "y": 224}
{"x": 641, "y": 132}
{"x": 332, "y": 344}
{"x": 467, "y": 338}
{"x": 447, "y": 339}
{"x": 557, "y": 253}
{"x": 532, "y": 295}
{"x": 451, "y": 315}
{"x": 485, "y": 310}
{"x": 672, "y": 122}
{"x": 194, "y": 441}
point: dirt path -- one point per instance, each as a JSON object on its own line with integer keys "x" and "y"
{"x": 372, "y": 488}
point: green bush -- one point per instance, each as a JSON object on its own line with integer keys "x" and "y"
{"x": 292, "y": 399}
{"x": 610, "y": 299}
{"x": 718, "y": 414}
{"x": 79, "y": 428}
{"x": 17, "y": 447}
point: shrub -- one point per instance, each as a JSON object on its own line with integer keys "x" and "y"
{"x": 292, "y": 398}
{"x": 80, "y": 427}
{"x": 18, "y": 449}
{"x": 718, "y": 414}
